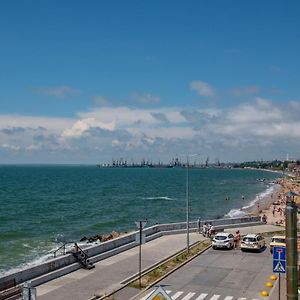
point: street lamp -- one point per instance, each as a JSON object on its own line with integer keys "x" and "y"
{"x": 187, "y": 203}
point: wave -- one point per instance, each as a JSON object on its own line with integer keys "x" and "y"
{"x": 158, "y": 198}
{"x": 43, "y": 257}
{"x": 264, "y": 199}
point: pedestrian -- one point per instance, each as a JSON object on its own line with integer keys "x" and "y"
{"x": 199, "y": 224}
{"x": 237, "y": 239}
{"x": 205, "y": 229}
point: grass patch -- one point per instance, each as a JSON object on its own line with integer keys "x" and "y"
{"x": 169, "y": 265}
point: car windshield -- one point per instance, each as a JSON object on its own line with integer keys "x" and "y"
{"x": 249, "y": 239}
{"x": 220, "y": 237}
{"x": 278, "y": 240}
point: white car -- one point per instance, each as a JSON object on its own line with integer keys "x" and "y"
{"x": 223, "y": 240}
{"x": 252, "y": 242}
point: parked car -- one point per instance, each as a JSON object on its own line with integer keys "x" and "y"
{"x": 277, "y": 241}
{"x": 252, "y": 242}
{"x": 223, "y": 240}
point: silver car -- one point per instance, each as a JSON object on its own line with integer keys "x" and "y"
{"x": 223, "y": 240}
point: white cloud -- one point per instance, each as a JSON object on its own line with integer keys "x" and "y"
{"x": 58, "y": 92}
{"x": 235, "y": 133}
{"x": 81, "y": 126}
{"x": 202, "y": 88}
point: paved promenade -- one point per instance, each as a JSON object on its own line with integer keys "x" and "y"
{"x": 83, "y": 284}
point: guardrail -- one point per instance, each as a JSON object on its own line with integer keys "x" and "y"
{"x": 112, "y": 247}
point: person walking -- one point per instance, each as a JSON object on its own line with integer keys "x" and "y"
{"x": 199, "y": 225}
{"x": 237, "y": 239}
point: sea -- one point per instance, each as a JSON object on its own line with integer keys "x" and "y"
{"x": 42, "y": 206}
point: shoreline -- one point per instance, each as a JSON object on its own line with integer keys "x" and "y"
{"x": 275, "y": 212}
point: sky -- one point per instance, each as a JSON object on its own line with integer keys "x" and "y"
{"x": 83, "y": 82}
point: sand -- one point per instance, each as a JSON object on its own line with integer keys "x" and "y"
{"x": 275, "y": 210}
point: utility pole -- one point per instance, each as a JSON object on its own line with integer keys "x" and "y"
{"x": 291, "y": 248}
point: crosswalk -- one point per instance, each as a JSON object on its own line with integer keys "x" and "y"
{"x": 181, "y": 295}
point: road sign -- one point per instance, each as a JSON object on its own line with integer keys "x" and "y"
{"x": 29, "y": 292}
{"x": 159, "y": 294}
{"x": 279, "y": 259}
{"x": 140, "y": 224}
{"x": 137, "y": 238}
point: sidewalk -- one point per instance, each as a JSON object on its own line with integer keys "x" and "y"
{"x": 109, "y": 273}
{"x": 83, "y": 284}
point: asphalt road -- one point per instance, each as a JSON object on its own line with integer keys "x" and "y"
{"x": 221, "y": 274}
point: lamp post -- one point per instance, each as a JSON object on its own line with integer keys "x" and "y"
{"x": 187, "y": 207}
{"x": 188, "y": 203}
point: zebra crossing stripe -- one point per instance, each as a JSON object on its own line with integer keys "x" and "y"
{"x": 228, "y": 298}
{"x": 242, "y": 298}
{"x": 201, "y": 297}
{"x": 215, "y": 297}
{"x": 188, "y": 296}
{"x": 178, "y": 294}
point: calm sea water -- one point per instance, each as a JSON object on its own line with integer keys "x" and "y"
{"x": 40, "y": 205}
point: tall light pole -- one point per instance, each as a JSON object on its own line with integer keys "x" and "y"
{"x": 187, "y": 207}
{"x": 187, "y": 203}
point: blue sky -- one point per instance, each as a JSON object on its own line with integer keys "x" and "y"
{"x": 83, "y": 82}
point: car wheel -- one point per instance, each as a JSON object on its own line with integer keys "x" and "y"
{"x": 214, "y": 247}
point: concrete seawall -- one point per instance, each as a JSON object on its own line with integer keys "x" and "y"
{"x": 62, "y": 265}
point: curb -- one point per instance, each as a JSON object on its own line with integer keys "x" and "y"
{"x": 169, "y": 273}
{"x": 132, "y": 278}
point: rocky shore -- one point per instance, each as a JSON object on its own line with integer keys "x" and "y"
{"x": 102, "y": 237}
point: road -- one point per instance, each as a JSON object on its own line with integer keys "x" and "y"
{"x": 221, "y": 274}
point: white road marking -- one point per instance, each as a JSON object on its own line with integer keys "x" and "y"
{"x": 188, "y": 296}
{"x": 228, "y": 298}
{"x": 178, "y": 294}
{"x": 201, "y": 297}
{"x": 215, "y": 297}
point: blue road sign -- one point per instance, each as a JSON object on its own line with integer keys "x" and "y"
{"x": 279, "y": 253}
{"x": 279, "y": 260}
{"x": 279, "y": 266}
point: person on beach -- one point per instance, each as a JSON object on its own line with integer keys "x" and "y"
{"x": 237, "y": 239}
{"x": 199, "y": 224}
{"x": 205, "y": 230}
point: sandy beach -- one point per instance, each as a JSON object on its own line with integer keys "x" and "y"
{"x": 274, "y": 207}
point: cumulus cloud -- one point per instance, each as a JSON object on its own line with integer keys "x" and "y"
{"x": 202, "y": 88}
{"x": 160, "y": 117}
{"x": 242, "y": 132}
{"x": 58, "y": 92}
